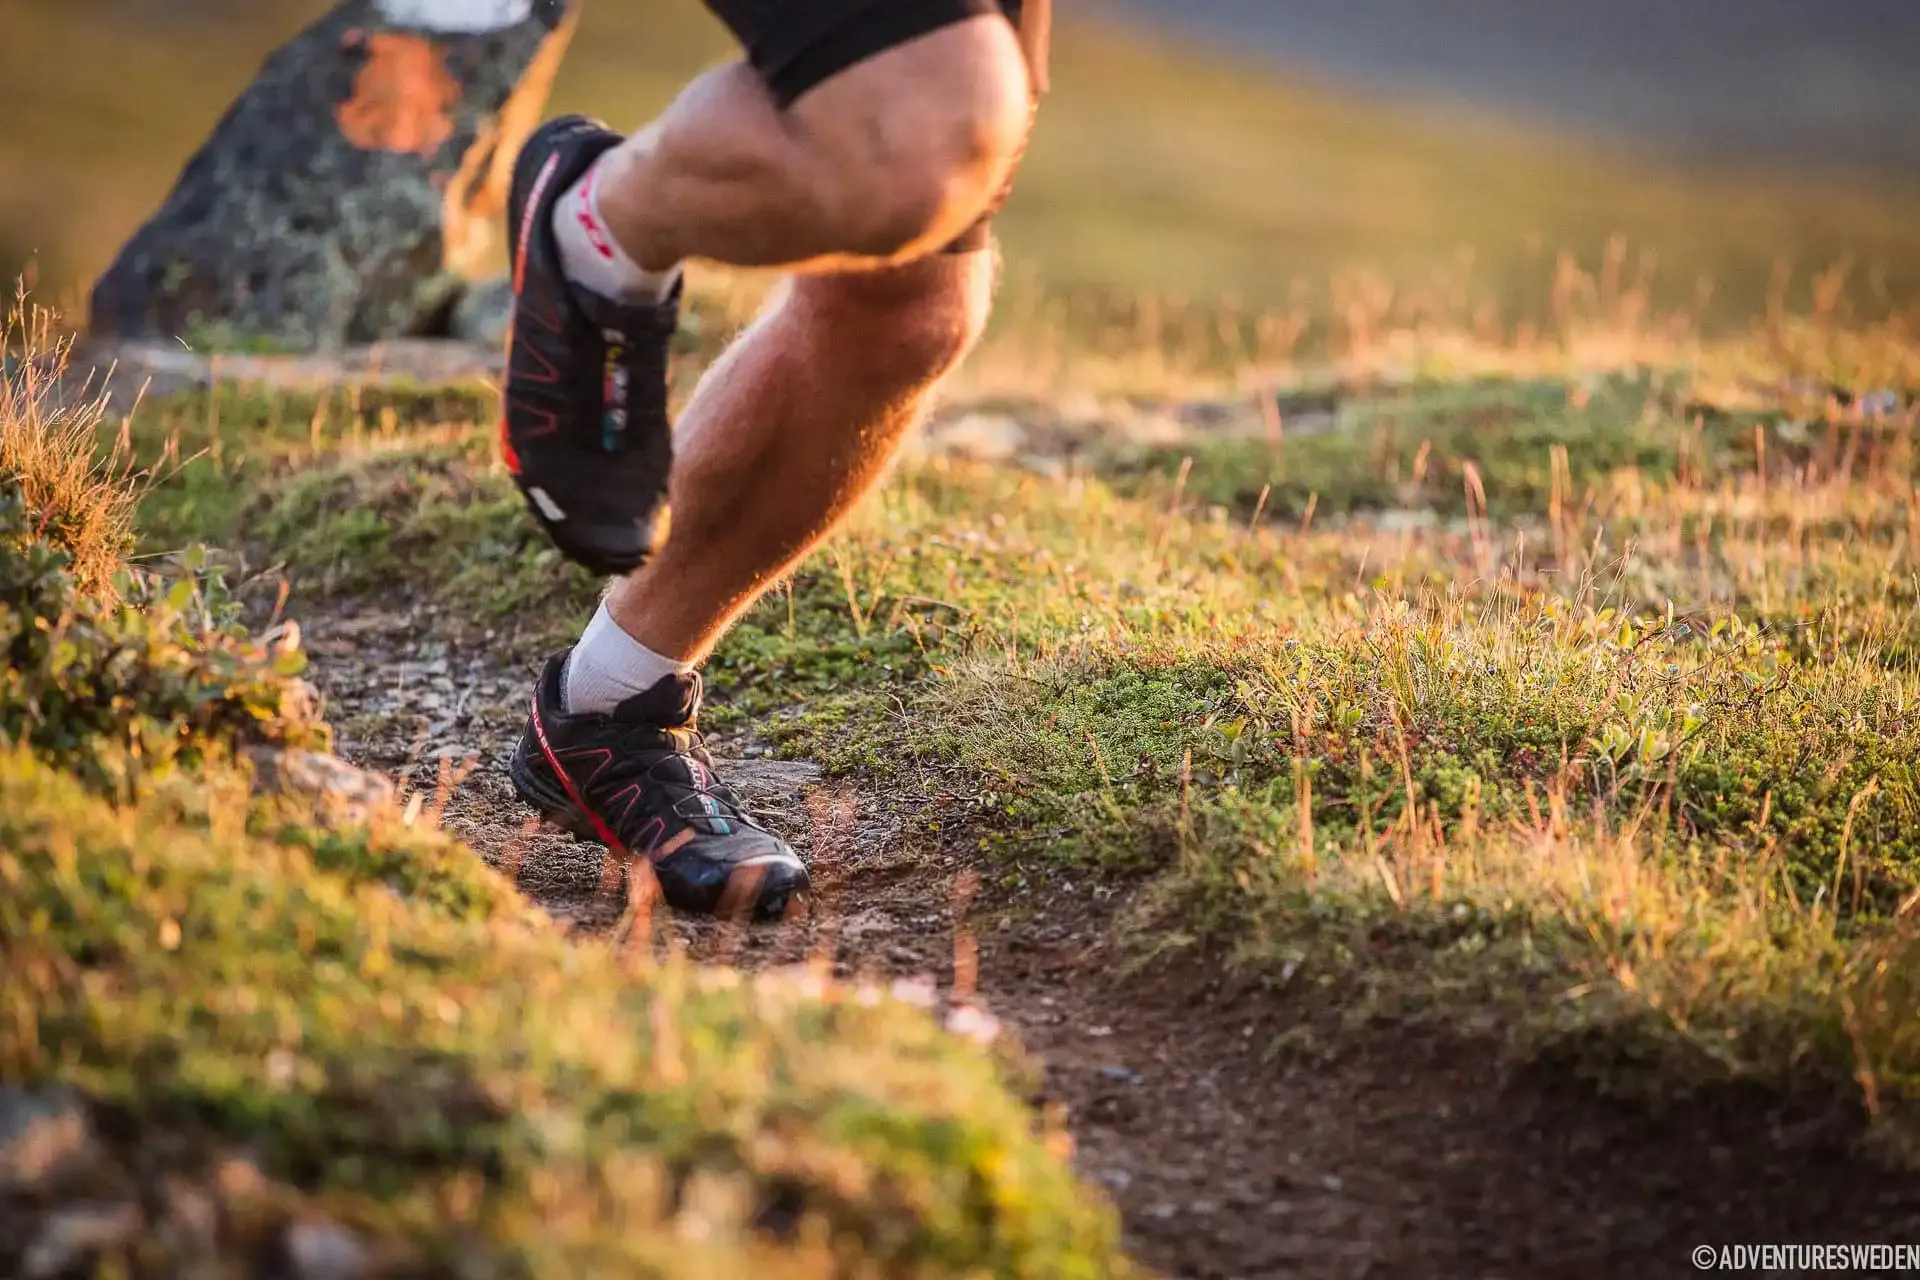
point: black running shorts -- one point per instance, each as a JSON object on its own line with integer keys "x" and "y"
{"x": 798, "y": 44}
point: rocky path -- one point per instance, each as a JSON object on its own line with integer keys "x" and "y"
{"x": 1243, "y": 1132}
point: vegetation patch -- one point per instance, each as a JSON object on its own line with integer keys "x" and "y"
{"x": 81, "y": 498}
{"x": 1599, "y": 728}
{"x": 119, "y": 675}
{"x": 1516, "y": 449}
{"x": 377, "y": 1023}
{"x": 231, "y": 1037}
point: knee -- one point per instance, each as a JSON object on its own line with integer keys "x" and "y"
{"x": 912, "y": 323}
{"x": 935, "y": 192}
{"x": 923, "y": 145}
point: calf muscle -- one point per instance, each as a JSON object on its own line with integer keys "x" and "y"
{"x": 793, "y": 426}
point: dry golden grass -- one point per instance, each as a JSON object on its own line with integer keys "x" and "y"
{"x": 50, "y": 451}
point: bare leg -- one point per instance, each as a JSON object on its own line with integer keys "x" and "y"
{"x": 792, "y": 426}
{"x": 886, "y": 161}
{"x": 854, "y": 188}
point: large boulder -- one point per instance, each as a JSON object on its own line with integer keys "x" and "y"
{"x": 353, "y": 186}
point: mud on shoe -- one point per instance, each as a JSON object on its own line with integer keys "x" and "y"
{"x": 583, "y": 414}
{"x": 640, "y": 781}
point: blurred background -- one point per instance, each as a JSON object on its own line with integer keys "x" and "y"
{"x": 1815, "y": 83}
{"x": 1264, "y": 151}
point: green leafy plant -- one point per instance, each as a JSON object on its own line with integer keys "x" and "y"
{"x": 136, "y": 682}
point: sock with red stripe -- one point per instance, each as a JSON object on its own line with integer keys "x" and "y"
{"x": 589, "y": 255}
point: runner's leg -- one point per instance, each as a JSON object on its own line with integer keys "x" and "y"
{"x": 790, "y": 427}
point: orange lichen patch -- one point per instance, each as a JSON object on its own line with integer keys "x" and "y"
{"x": 403, "y": 98}
{"x": 476, "y": 195}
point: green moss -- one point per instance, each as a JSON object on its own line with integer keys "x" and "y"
{"x": 212, "y": 451}
{"x": 377, "y": 1020}
{"x": 1503, "y": 448}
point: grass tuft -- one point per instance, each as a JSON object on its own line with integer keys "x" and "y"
{"x": 83, "y": 500}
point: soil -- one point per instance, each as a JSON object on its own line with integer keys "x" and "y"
{"x": 1389, "y": 1149}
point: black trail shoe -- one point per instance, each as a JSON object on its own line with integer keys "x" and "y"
{"x": 640, "y": 781}
{"x": 583, "y": 414}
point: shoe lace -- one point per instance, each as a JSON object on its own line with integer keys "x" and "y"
{"x": 693, "y": 781}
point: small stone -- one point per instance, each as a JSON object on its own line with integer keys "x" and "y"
{"x": 322, "y": 1251}
{"x": 483, "y": 313}
{"x": 984, "y": 437}
{"x": 192, "y": 1218}
{"x": 69, "y": 1236}
{"x": 1331, "y": 1183}
{"x": 340, "y": 792}
{"x": 42, "y": 1135}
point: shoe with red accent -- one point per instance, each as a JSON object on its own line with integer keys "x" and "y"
{"x": 640, "y": 781}
{"x": 583, "y": 414}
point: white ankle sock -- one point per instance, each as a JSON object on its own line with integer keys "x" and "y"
{"x": 609, "y": 666}
{"x": 592, "y": 258}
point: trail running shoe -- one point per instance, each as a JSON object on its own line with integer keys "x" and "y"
{"x": 583, "y": 415}
{"x": 640, "y": 781}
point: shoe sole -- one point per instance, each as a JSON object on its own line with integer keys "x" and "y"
{"x": 558, "y": 810}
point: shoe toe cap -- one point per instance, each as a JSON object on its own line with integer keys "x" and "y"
{"x": 762, "y": 879}
{"x": 780, "y": 886}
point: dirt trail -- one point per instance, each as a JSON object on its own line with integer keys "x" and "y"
{"x": 1386, "y": 1151}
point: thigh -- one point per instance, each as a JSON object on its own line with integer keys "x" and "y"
{"x": 796, "y": 45}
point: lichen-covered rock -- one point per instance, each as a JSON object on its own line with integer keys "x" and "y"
{"x": 351, "y": 188}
